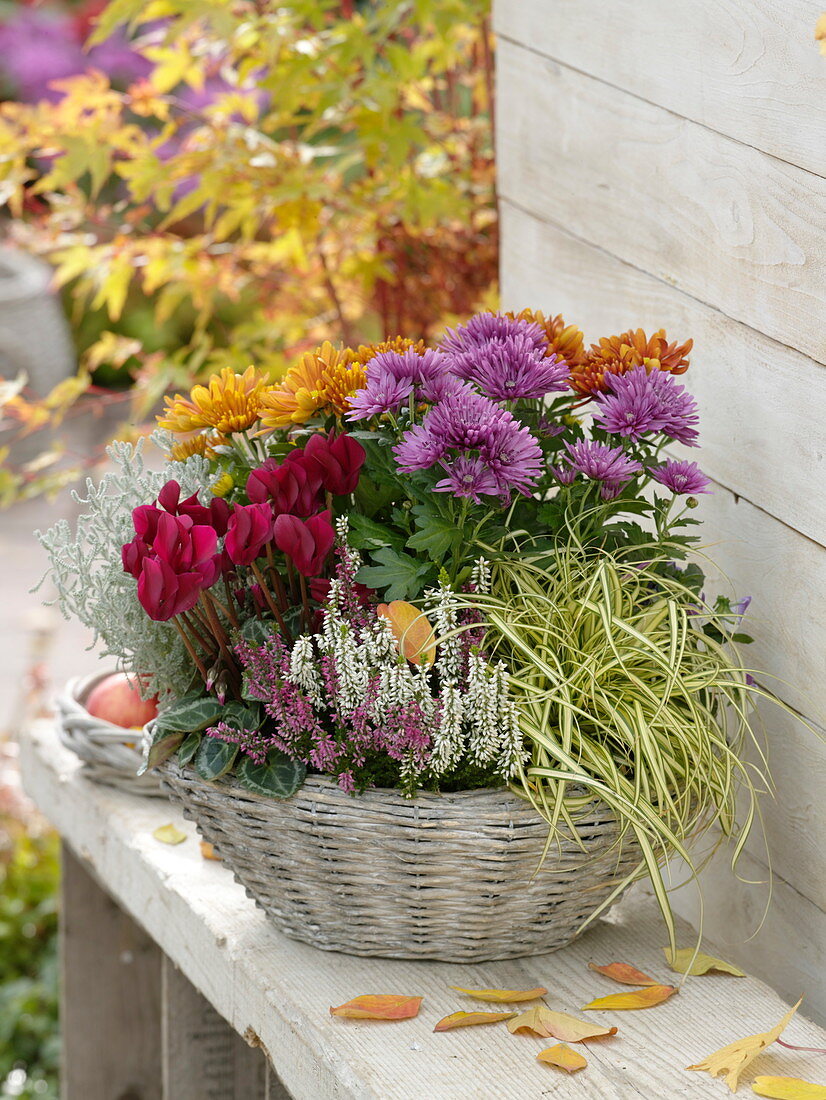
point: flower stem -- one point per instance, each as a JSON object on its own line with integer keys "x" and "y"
{"x": 271, "y": 604}
{"x": 190, "y": 648}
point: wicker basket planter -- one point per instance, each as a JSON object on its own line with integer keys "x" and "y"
{"x": 110, "y": 754}
{"x": 446, "y": 877}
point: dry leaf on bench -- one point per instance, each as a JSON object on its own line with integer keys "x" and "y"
{"x": 169, "y": 834}
{"x": 384, "y": 1006}
{"x": 546, "y": 1024}
{"x": 788, "y": 1088}
{"x": 734, "y": 1058}
{"x": 702, "y": 964}
{"x": 624, "y": 974}
{"x": 471, "y": 1019}
{"x": 564, "y": 1057}
{"x": 640, "y": 998}
{"x": 208, "y": 852}
{"x": 509, "y": 996}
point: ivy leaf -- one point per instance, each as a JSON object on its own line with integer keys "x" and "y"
{"x": 398, "y": 575}
{"x": 277, "y": 777}
{"x": 214, "y": 758}
{"x": 190, "y": 713}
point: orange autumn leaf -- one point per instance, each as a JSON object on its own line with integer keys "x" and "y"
{"x": 640, "y": 998}
{"x": 563, "y": 1057}
{"x": 734, "y": 1058}
{"x": 545, "y": 1023}
{"x": 386, "y": 1006}
{"x": 208, "y": 852}
{"x": 788, "y": 1088}
{"x": 471, "y": 1019}
{"x": 624, "y": 974}
{"x": 411, "y": 629}
{"x": 505, "y": 996}
{"x": 684, "y": 961}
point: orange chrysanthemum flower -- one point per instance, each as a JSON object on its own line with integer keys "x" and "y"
{"x": 320, "y": 382}
{"x": 200, "y": 444}
{"x": 366, "y": 352}
{"x": 565, "y": 341}
{"x": 618, "y": 354}
{"x": 229, "y": 403}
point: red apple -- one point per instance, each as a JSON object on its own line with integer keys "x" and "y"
{"x": 117, "y": 700}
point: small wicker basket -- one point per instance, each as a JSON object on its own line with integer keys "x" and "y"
{"x": 442, "y": 876}
{"x": 111, "y": 755}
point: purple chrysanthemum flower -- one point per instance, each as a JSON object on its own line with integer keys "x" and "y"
{"x": 511, "y": 368}
{"x": 683, "y": 478}
{"x": 513, "y": 456}
{"x": 599, "y": 462}
{"x": 464, "y": 419}
{"x": 483, "y": 328}
{"x": 419, "y": 448}
{"x": 565, "y": 475}
{"x": 468, "y": 477}
{"x": 641, "y": 402}
{"x": 383, "y": 393}
{"x": 433, "y": 390}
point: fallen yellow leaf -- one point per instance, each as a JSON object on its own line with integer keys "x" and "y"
{"x": 471, "y": 1019}
{"x": 788, "y": 1088}
{"x": 735, "y": 1057}
{"x": 505, "y": 996}
{"x": 169, "y": 834}
{"x": 541, "y": 1021}
{"x": 624, "y": 974}
{"x": 411, "y": 629}
{"x": 820, "y": 32}
{"x": 383, "y": 1006}
{"x": 681, "y": 962}
{"x": 564, "y": 1057}
{"x": 208, "y": 852}
{"x": 640, "y": 998}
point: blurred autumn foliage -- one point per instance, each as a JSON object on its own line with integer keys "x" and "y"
{"x": 282, "y": 174}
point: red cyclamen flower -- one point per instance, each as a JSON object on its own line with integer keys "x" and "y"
{"x": 172, "y": 568}
{"x": 292, "y": 487}
{"x": 306, "y": 542}
{"x": 164, "y": 593}
{"x": 339, "y": 461}
{"x": 249, "y": 530}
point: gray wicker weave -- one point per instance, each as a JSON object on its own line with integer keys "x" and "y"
{"x": 446, "y": 877}
{"x": 111, "y": 755}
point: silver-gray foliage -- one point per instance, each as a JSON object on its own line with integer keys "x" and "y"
{"x": 85, "y": 565}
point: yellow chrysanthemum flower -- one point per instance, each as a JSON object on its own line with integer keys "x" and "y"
{"x": 366, "y": 352}
{"x": 200, "y": 444}
{"x": 229, "y": 403}
{"x": 320, "y": 382}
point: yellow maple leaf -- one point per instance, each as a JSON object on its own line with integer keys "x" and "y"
{"x": 788, "y": 1088}
{"x": 169, "y": 834}
{"x": 471, "y": 1019}
{"x": 545, "y": 1023}
{"x": 820, "y": 33}
{"x": 563, "y": 1057}
{"x": 506, "y": 996}
{"x": 734, "y": 1058}
{"x": 684, "y": 961}
{"x": 640, "y": 998}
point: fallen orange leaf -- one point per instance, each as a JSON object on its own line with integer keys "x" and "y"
{"x": 788, "y": 1088}
{"x": 541, "y": 1021}
{"x": 640, "y": 998}
{"x": 681, "y": 962}
{"x": 208, "y": 852}
{"x": 370, "y": 1006}
{"x": 509, "y": 996}
{"x": 624, "y": 974}
{"x": 411, "y": 629}
{"x": 564, "y": 1057}
{"x": 471, "y": 1019}
{"x": 735, "y": 1057}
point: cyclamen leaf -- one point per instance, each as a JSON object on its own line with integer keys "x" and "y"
{"x": 640, "y": 998}
{"x": 190, "y": 714}
{"x": 214, "y": 758}
{"x": 169, "y": 834}
{"x": 681, "y": 962}
{"x": 788, "y": 1088}
{"x": 189, "y": 747}
{"x": 471, "y": 1019}
{"x": 563, "y": 1057}
{"x": 258, "y": 631}
{"x": 734, "y": 1058}
{"x": 277, "y": 777}
{"x": 541, "y": 1021}
{"x": 386, "y": 1006}
{"x": 624, "y": 974}
{"x": 161, "y": 746}
{"x": 506, "y": 996}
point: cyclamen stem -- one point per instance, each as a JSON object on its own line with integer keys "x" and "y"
{"x": 194, "y": 627}
{"x": 190, "y": 648}
{"x": 271, "y": 604}
{"x": 220, "y": 637}
{"x": 231, "y": 613}
{"x": 305, "y": 601}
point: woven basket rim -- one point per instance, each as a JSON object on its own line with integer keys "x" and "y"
{"x": 76, "y": 691}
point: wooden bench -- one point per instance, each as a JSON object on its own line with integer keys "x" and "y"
{"x": 177, "y": 987}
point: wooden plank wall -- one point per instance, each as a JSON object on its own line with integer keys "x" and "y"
{"x": 664, "y": 165}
